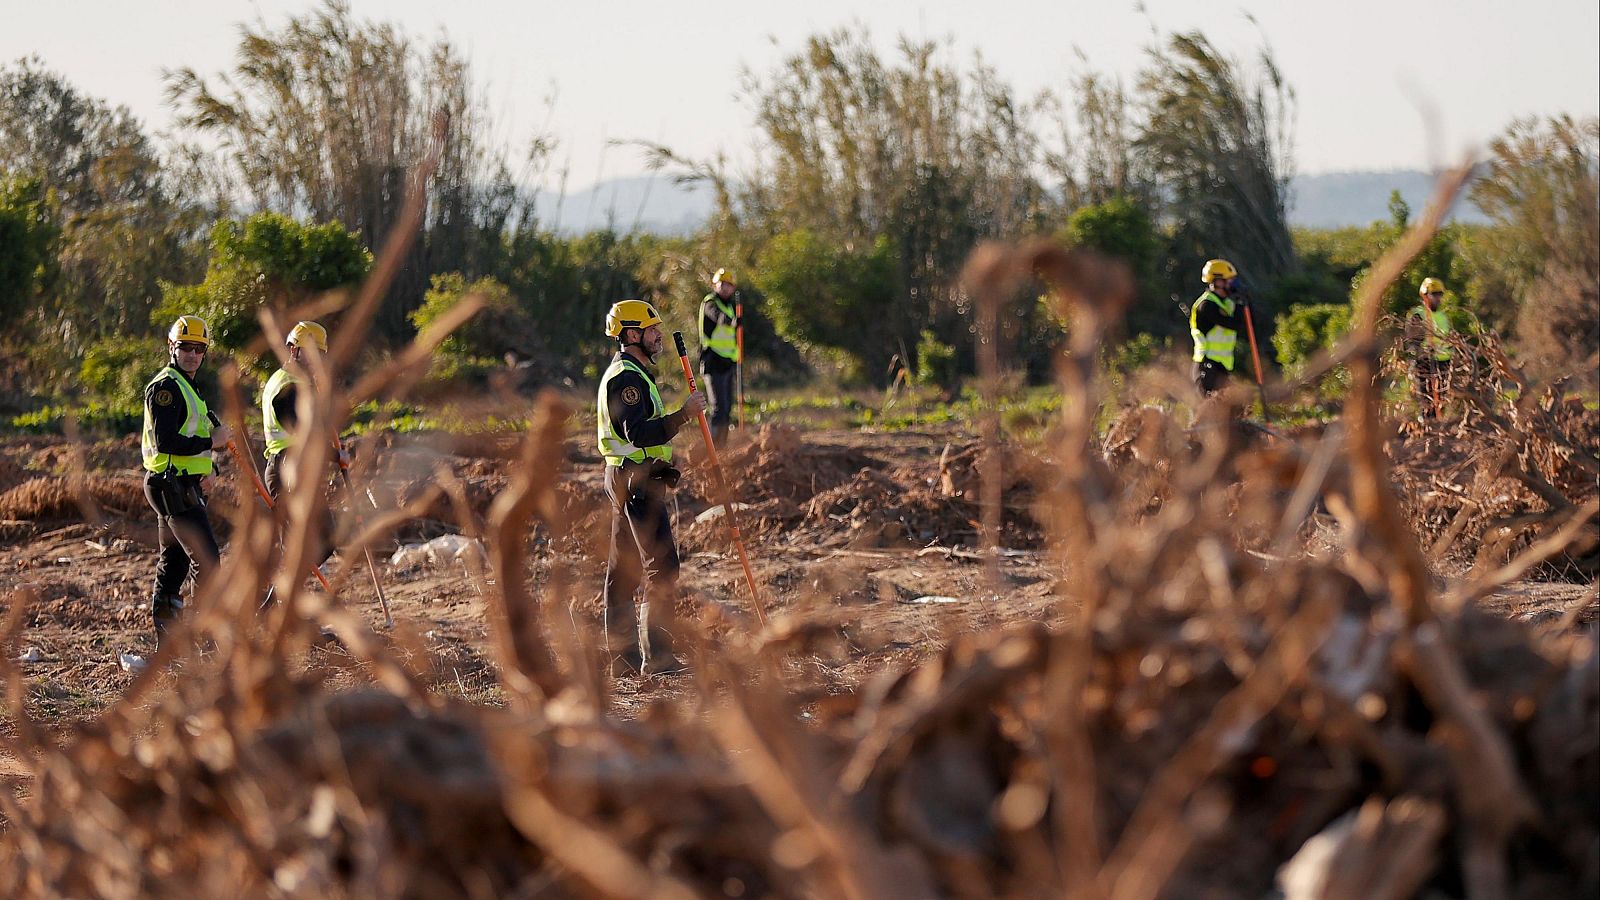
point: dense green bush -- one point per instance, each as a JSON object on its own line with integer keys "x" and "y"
{"x": 93, "y": 417}
{"x": 936, "y": 361}
{"x": 834, "y": 298}
{"x": 266, "y": 259}
{"x": 1304, "y": 331}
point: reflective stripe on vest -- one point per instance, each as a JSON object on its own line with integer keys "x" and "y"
{"x": 723, "y": 341}
{"x": 195, "y": 424}
{"x": 1438, "y": 324}
{"x": 277, "y": 436}
{"x": 1217, "y": 344}
{"x": 613, "y": 446}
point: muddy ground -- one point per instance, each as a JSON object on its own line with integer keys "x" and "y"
{"x": 875, "y": 531}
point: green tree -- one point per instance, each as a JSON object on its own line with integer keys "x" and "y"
{"x": 1437, "y": 260}
{"x": 330, "y": 115}
{"x": 834, "y": 298}
{"x": 28, "y": 235}
{"x": 1219, "y": 144}
{"x": 1540, "y": 189}
{"x": 862, "y": 153}
{"x": 1121, "y": 228}
{"x": 125, "y": 226}
{"x": 267, "y": 259}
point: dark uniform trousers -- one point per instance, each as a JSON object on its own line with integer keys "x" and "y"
{"x": 641, "y": 550}
{"x": 1427, "y": 383}
{"x": 188, "y": 550}
{"x": 1209, "y": 376}
{"x": 273, "y": 480}
{"x": 721, "y": 382}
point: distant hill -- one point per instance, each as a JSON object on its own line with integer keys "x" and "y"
{"x": 654, "y": 204}
{"x": 649, "y": 203}
{"x": 1358, "y": 198}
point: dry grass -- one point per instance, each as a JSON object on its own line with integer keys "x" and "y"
{"x": 1216, "y": 696}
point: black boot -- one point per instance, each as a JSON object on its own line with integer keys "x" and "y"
{"x": 165, "y": 610}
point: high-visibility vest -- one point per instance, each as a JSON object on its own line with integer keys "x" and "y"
{"x": 277, "y": 436}
{"x": 1218, "y": 343}
{"x": 614, "y": 447}
{"x": 1438, "y": 325}
{"x": 723, "y": 341}
{"x": 195, "y": 424}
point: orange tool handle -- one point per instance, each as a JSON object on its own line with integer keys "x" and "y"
{"x": 1250, "y": 328}
{"x": 722, "y": 484}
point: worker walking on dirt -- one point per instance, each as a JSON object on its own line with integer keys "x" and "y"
{"x": 176, "y": 443}
{"x": 1427, "y": 345}
{"x": 635, "y": 433}
{"x": 1215, "y": 321}
{"x": 719, "y": 350}
{"x": 279, "y": 414}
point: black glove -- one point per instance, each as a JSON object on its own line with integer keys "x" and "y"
{"x": 667, "y": 473}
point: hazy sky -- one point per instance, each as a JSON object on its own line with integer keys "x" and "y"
{"x": 1364, "y": 70}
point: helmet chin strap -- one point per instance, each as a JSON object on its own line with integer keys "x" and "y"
{"x": 642, "y": 348}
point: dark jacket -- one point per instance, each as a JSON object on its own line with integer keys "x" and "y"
{"x": 168, "y": 417}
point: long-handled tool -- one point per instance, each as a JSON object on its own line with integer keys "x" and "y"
{"x": 261, "y": 489}
{"x": 372, "y": 568}
{"x": 738, "y": 330}
{"x": 1255, "y": 357}
{"x": 722, "y": 485}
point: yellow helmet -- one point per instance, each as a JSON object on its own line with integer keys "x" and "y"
{"x": 723, "y": 275}
{"x": 189, "y": 329}
{"x": 1430, "y": 286}
{"x": 302, "y": 331}
{"x": 630, "y": 314}
{"x": 1218, "y": 268}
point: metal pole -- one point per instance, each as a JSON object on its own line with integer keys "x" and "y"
{"x": 372, "y": 568}
{"x": 738, "y": 319}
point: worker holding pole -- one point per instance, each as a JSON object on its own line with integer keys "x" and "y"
{"x": 1215, "y": 320}
{"x": 279, "y": 414}
{"x": 176, "y": 443}
{"x": 720, "y": 356}
{"x": 635, "y": 431}
{"x": 1427, "y": 345}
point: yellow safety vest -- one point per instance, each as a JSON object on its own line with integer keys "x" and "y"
{"x": 1217, "y": 344}
{"x": 1438, "y": 324}
{"x": 277, "y": 436}
{"x": 614, "y": 447}
{"x": 195, "y": 424}
{"x": 724, "y": 340}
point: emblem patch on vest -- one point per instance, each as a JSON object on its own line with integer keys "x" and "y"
{"x": 163, "y": 398}
{"x": 630, "y": 395}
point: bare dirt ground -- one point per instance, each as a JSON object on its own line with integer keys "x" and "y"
{"x": 876, "y": 533}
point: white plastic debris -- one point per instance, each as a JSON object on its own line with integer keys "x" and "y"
{"x": 715, "y": 512}
{"x": 935, "y": 598}
{"x": 132, "y": 663}
{"x": 31, "y": 655}
{"x": 446, "y": 549}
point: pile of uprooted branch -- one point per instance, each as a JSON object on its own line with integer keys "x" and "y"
{"x": 1502, "y": 468}
{"x": 1207, "y": 720}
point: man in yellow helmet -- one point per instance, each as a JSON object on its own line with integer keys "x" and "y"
{"x": 279, "y": 414}
{"x": 1215, "y": 321}
{"x": 719, "y": 350}
{"x": 635, "y": 431}
{"x": 1427, "y": 345}
{"x": 176, "y": 441}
